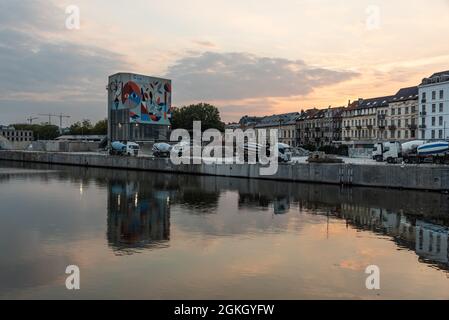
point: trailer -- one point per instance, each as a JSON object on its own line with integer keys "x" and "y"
{"x": 433, "y": 152}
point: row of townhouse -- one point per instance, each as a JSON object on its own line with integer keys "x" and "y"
{"x": 418, "y": 112}
{"x": 314, "y": 126}
{"x": 284, "y": 124}
{"x": 319, "y": 126}
{"x": 382, "y": 118}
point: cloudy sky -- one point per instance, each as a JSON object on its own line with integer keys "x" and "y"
{"x": 245, "y": 56}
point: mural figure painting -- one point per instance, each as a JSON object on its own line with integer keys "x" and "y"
{"x": 147, "y": 99}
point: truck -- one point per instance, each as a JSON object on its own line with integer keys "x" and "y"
{"x": 284, "y": 151}
{"x": 387, "y": 151}
{"x": 432, "y": 152}
{"x": 124, "y": 148}
{"x": 417, "y": 151}
{"x": 161, "y": 150}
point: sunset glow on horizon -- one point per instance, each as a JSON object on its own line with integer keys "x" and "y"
{"x": 246, "y": 57}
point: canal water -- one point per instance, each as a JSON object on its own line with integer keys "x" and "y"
{"x": 156, "y": 236}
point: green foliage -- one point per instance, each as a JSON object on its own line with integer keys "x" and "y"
{"x": 101, "y": 127}
{"x": 50, "y": 132}
{"x": 40, "y": 131}
{"x": 209, "y": 116}
{"x": 86, "y": 128}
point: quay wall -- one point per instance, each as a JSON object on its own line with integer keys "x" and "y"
{"x": 420, "y": 177}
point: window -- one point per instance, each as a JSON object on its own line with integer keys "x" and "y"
{"x": 393, "y": 111}
{"x": 433, "y": 134}
{"x": 433, "y": 121}
{"x": 399, "y": 111}
{"x": 406, "y": 110}
{"x": 440, "y": 121}
{"x": 424, "y": 96}
{"x": 434, "y": 108}
{"x": 413, "y": 109}
{"x": 441, "y": 107}
{"x": 440, "y": 134}
{"x": 423, "y": 108}
{"x": 441, "y": 94}
{"x": 399, "y": 134}
{"x": 434, "y": 95}
{"x": 406, "y": 134}
{"x": 399, "y": 122}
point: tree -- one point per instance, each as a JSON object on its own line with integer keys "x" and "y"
{"x": 40, "y": 131}
{"x": 209, "y": 116}
{"x": 81, "y": 128}
{"x": 101, "y": 127}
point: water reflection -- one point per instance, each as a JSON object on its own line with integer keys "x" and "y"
{"x": 429, "y": 240}
{"x": 155, "y": 214}
{"x": 138, "y": 216}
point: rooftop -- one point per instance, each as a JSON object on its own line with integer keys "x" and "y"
{"x": 277, "y": 119}
{"x": 404, "y": 94}
{"x": 436, "y": 78}
{"x": 374, "y": 102}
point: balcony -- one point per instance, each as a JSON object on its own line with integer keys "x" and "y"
{"x": 423, "y": 113}
{"x": 359, "y": 127}
{"x": 307, "y": 129}
{"x": 422, "y": 126}
{"x": 392, "y": 127}
{"x": 348, "y": 127}
{"x": 412, "y": 126}
{"x": 370, "y": 126}
{"x": 381, "y": 126}
{"x": 347, "y": 139}
{"x": 317, "y": 129}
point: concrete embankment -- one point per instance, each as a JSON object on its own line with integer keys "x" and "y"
{"x": 423, "y": 177}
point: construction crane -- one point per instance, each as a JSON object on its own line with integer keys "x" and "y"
{"x": 31, "y": 119}
{"x": 60, "y": 116}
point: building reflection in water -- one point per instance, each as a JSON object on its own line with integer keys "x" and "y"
{"x": 139, "y": 207}
{"x": 428, "y": 240}
{"x": 281, "y": 204}
{"x": 138, "y": 217}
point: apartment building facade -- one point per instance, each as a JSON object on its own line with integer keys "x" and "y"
{"x": 402, "y": 116}
{"x": 365, "y": 120}
{"x": 332, "y": 124}
{"x": 434, "y": 107}
{"x": 304, "y": 127}
{"x": 285, "y": 124}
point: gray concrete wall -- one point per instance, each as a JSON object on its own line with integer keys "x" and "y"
{"x": 366, "y": 153}
{"x": 13, "y": 145}
{"x": 425, "y": 177}
{"x": 63, "y": 146}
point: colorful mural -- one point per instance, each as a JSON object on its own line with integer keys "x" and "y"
{"x": 147, "y": 99}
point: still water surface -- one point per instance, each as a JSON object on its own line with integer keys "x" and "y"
{"x": 158, "y": 236}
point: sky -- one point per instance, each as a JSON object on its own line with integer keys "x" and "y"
{"x": 247, "y": 57}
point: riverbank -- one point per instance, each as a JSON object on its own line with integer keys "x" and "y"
{"x": 419, "y": 177}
